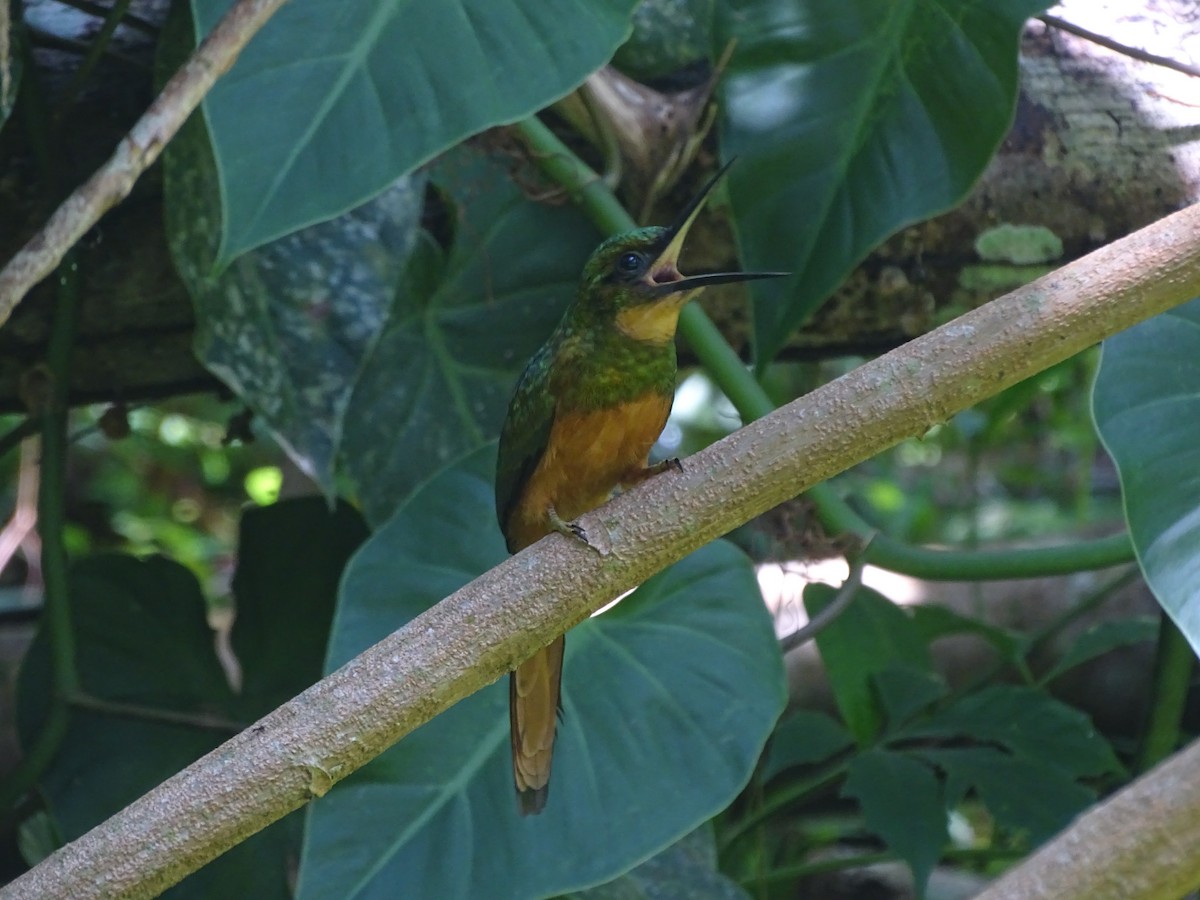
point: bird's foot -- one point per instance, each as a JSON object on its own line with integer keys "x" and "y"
{"x": 576, "y": 531}
{"x": 640, "y": 475}
{"x": 668, "y": 464}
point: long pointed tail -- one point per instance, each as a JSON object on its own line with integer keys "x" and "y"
{"x": 533, "y": 696}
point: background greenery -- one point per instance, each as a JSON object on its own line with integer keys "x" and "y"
{"x": 374, "y": 323}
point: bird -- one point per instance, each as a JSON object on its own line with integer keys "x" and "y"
{"x": 583, "y": 417}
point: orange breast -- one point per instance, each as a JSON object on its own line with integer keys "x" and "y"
{"x": 587, "y": 455}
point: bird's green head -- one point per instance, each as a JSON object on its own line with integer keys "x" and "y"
{"x": 635, "y": 279}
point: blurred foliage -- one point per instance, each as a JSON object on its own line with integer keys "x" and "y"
{"x": 376, "y": 336}
{"x": 172, "y": 486}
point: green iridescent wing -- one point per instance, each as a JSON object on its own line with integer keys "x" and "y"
{"x": 524, "y": 436}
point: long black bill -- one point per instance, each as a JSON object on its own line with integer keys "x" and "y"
{"x": 695, "y": 282}
{"x": 672, "y": 246}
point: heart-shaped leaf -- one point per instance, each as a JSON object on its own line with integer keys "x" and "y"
{"x": 803, "y": 738}
{"x": 902, "y": 802}
{"x": 360, "y": 359}
{"x": 335, "y": 99}
{"x": 851, "y": 119}
{"x": 1147, "y": 409}
{"x": 435, "y": 386}
{"x": 869, "y": 636}
{"x": 1023, "y": 794}
{"x": 147, "y": 660}
{"x": 688, "y": 868}
{"x": 667, "y": 701}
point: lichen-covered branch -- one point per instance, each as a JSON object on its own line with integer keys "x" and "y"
{"x": 478, "y": 633}
{"x": 113, "y": 181}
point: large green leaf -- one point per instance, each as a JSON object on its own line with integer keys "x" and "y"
{"x": 1147, "y": 408}
{"x": 686, "y": 869}
{"x": 902, "y": 802}
{"x": 1028, "y": 723}
{"x": 667, "y": 701}
{"x": 803, "y": 738}
{"x": 436, "y": 384}
{"x": 287, "y": 327}
{"x": 853, "y": 118}
{"x": 1102, "y": 638}
{"x": 291, "y": 556}
{"x": 358, "y": 357}
{"x": 872, "y": 634}
{"x": 143, "y": 641}
{"x": 1031, "y": 753}
{"x": 335, "y": 99}
{"x": 1025, "y": 795}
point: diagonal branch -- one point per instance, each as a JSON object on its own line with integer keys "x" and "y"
{"x": 478, "y": 633}
{"x": 1117, "y": 47}
{"x": 1140, "y": 842}
{"x": 113, "y": 181}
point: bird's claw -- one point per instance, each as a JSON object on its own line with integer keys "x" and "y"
{"x": 661, "y": 466}
{"x": 573, "y": 530}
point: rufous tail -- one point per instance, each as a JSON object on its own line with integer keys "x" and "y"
{"x": 533, "y": 693}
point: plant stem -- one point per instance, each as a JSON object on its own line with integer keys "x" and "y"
{"x": 151, "y": 714}
{"x": 563, "y": 167}
{"x": 56, "y": 616}
{"x": 96, "y": 49}
{"x": 1090, "y": 601}
{"x": 113, "y": 181}
{"x": 472, "y": 637}
{"x": 969, "y": 565}
{"x": 838, "y": 864}
{"x": 1173, "y": 664}
{"x": 100, "y": 12}
{"x": 53, "y": 419}
{"x": 784, "y": 797}
{"x": 1132, "y": 52}
{"x": 752, "y": 402}
{"x": 830, "y": 614}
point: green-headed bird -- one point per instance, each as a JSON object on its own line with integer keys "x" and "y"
{"x": 585, "y": 413}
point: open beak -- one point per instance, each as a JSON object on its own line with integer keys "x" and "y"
{"x": 664, "y": 277}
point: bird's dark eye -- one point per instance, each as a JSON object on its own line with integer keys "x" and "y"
{"x": 630, "y": 263}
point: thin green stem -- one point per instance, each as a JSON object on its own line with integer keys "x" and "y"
{"x": 151, "y": 714}
{"x": 969, "y": 565}
{"x": 723, "y": 365}
{"x": 780, "y": 799}
{"x": 831, "y": 613}
{"x": 563, "y": 167}
{"x": 56, "y": 616}
{"x": 100, "y": 11}
{"x": 1173, "y": 664}
{"x": 974, "y": 855}
{"x": 1090, "y": 601}
{"x": 750, "y": 399}
{"x": 96, "y": 50}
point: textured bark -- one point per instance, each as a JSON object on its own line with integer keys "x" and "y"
{"x": 478, "y": 633}
{"x": 1139, "y": 843}
{"x": 1101, "y": 145}
{"x": 135, "y": 152}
